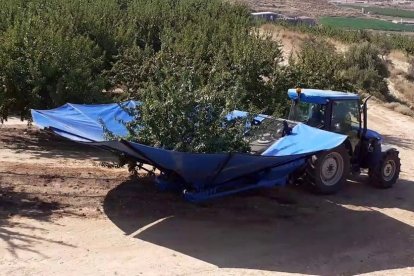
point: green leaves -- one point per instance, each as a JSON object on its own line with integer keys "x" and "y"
{"x": 185, "y": 106}
{"x": 364, "y": 68}
{"x": 319, "y": 66}
{"x": 360, "y": 68}
{"x": 44, "y": 62}
{"x": 207, "y": 61}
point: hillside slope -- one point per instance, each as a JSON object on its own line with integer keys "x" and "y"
{"x": 398, "y": 63}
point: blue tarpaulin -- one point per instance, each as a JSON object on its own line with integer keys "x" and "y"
{"x": 84, "y": 123}
{"x": 200, "y": 176}
{"x": 305, "y": 139}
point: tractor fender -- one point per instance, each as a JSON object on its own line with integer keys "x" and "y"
{"x": 388, "y": 169}
{"x": 373, "y": 154}
{"x": 385, "y": 148}
{"x": 378, "y": 150}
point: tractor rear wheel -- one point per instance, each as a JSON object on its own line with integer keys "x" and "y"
{"x": 387, "y": 172}
{"x": 327, "y": 171}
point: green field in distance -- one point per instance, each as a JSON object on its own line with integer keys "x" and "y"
{"x": 385, "y": 11}
{"x": 364, "y": 23}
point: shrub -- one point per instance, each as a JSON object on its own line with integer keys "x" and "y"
{"x": 318, "y": 65}
{"x": 52, "y": 52}
{"x": 405, "y": 88}
{"x": 410, "y": 73}
{"x": 185, "y": 110}
{"x": 403, "y": 109}
{"x": 360, "y": 68}
{"x": 366, "y": 56}
{"x": 366, "y": 70}
{"x": 397, "y": 107}
{"x": 43, "y": 67}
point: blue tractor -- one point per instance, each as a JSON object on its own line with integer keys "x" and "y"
{"x": 343, "y": 113}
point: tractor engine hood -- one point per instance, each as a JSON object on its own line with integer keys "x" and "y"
{"x": 371, "y": 134}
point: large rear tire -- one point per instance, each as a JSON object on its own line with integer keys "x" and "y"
{"x": 387, "y": 172}
{"x": 327, "y": 171}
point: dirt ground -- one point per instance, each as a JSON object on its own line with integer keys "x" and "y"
{"x": 61, "y": 213}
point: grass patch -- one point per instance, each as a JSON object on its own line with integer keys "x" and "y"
{"x": 400, "y": 108}
{"x": 410, "y": 73}
{"x": 406, "y": 88}
{"x": 364, "y": 23}
{"x": 385, "y": 11}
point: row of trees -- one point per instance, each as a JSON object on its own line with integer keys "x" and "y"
{"x": 189, "y": 61}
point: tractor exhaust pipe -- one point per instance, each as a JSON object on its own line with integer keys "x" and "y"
{"x": 365, "y": 113}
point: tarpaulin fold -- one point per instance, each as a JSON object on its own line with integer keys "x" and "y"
{"x": 75, "y": 121}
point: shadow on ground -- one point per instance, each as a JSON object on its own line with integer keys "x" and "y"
{"x": 13, "y": 235}
{"x": 37, "y": 143}
{"x": 406, "y": 143}
{"x": 285, "y": 230}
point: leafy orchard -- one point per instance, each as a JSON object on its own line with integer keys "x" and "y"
{"x": 190, "y": 62}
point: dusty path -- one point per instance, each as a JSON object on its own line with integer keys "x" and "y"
{"x": 61, "y": 214}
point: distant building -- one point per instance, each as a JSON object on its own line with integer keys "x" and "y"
{"x": 273, "y": 16}
{"x": 268, "y": 16}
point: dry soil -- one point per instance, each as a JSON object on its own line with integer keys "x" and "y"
{"x": 61, "y": 213}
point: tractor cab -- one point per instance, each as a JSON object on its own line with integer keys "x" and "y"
{"x": 329, "y": 110}
{"x": 333, "y": 111}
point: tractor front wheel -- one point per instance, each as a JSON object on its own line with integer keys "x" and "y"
{"x": 326, "y": 172}
{"x": 387, "y": 172}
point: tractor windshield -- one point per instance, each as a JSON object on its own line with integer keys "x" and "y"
{"x": 309, "y": 113}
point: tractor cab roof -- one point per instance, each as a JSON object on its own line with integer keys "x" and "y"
{"x": 321, "y": 96}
